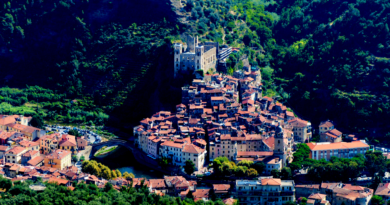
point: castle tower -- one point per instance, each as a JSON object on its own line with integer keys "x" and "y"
{"x": 191, "y": 44}
{"x": 199, "y": 61}
{"x": 178, "y": 51}
{"x": 280, "y": 148}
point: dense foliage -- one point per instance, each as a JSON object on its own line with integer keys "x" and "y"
{"x": 20, "y": 193}
{"x": 331, "y": 59}
{"x": 91, "y": 68}
{"x": 100, "y": 170}
{"x": 223, "y": 167}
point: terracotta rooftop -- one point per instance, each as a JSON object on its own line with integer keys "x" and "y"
{"x": 193, "y": 149}
{"x": 3, "y": 148}
{"x": 337, "y": 145}
{"x": 26, "y": 143}
{"x": 327, "y": 124}
{"x": 68, "y": 140}
{"x": 221, "y": 187}
{"x": 383, "y": 189}
{"x": 58, "y": 154}
{"x": 16, "y": 150}
{"x": 271, "y": 181}
{"x": 30, "y": 153}
{"x": 35, "y": 160}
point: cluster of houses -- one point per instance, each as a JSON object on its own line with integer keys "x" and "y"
{"x": 229, "y": 115}
{"x": 21, "y": 144}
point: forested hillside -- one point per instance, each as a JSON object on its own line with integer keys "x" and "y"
{"x": 86, "y": 56}
{"x": 326, "y": 59}
{"x": 332, "y": 60}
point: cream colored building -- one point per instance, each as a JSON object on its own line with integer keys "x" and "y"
{"x": 59, "y": 159}
{"x": 14, "y": 155}
{"x": 302, "y": 130}
{"x": 195, "y": 154}
{"x": 325, "y": 150}
{"x": 29, "y": 145}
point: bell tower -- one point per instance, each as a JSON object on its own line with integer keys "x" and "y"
{"x": 280, "y": 148}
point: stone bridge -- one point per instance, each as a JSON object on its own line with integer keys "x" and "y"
{"x": 114, "y": 142}
{"x": 140, "y": 156}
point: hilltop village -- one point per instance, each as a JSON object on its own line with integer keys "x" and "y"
{"x": 223, "y": 125}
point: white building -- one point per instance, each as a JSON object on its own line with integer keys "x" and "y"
{"x": 195, "y": 154}
{"x": 265, "y": 191}
{"x": 14, "y": 155}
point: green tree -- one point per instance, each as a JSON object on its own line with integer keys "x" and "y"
{"x": 5, "y": 183}
{"x": 82, "y": 158}
{"x": 189, "y": 167}
{"x": 246, "y": 163}
{"x": 128, "y": 176}
{"x": 275, "y": 173}
{"x": 75, "y": 158}
{"x": 285, "y": 173}
{"x": 377, "y": 200}
{"x": 37, "y": 121}
{"x": 303, "y": 201}
{"x": 252, "y": 173}
{"x": 189, "y": 195}
{"x": 259, "y": 166}
{"x": 375, "y": 162}
{"x": 108, "y": 187}
{"x": 212, "y": 194}
{"x": 74, "y": 133}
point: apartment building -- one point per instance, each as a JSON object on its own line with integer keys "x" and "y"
{"x": 325, "y": 150}
{"x": 195, "y": 154}
{"x": 28, "y": 145}
{"x": 59, "y": 159}
{"x": 301, "y": 129}
{"x": 49, "y": 143}
{"x": 325, "y": 126}
{"x": 14, "y": 155}
{"x": 265, "y": 191}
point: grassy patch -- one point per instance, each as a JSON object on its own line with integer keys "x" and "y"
{"x": 105, "y": 150}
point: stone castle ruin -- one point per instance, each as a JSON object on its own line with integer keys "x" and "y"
{"x": 197, "y": 56}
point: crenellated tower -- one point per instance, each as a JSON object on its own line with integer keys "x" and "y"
{"x": 178, "y": 51}
{"x": 199, "y": 60}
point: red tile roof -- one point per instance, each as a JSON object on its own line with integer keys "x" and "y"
{"x": 30, "y": 153}
{"x": 26, "y": 143}
{"x": 327, "y": 124}
{"x": 3, "y": 148}
{"x": 16, "y": 150}
{"x": 58, "y": 154}
{"x": 35, "y": 160}
{"x": 221, "y": 188}
{"x": 337, "y": 145}
{"x": 68, "y": 140}
{"x": 193, "y": 149}
{"x": 271, "y": 181}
